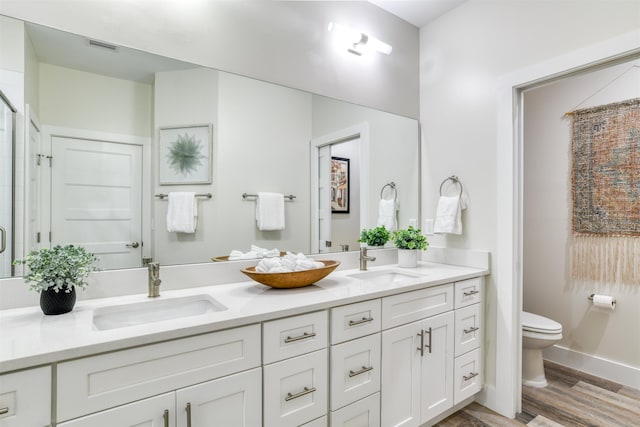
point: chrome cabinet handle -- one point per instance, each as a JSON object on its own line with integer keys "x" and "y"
{"x": 360, "y": 322}
{"x": 188, "y": 409}
{"x": 3, "y": 246}
{"x": 421, "y": 348}
{"x": 165, "y": 418}
{"x": 300, "y": 337}
{"x": 471, "y": 329}
{"x": 471, "y": 375}
{"x": 132, "y": 245}
{"x": 305, "y": 391}
{"x": 4, "y": 410}
{"x": 473, "y": 292}
{"x": 361, "y": 371}
{"x": 429, "y": 345}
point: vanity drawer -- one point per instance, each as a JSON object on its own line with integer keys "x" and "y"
{"x": 355, "y": 320}
{"x": 294, "y": 336}
{"x": 25, "y": 398}
{"x": 468, "y": 292}
{"x": 468, "y": 332}
{"x": 107, "y": 380}
{"x": 467, "y": 375}
{"x": 295, "y": 390}
{"x": 411, "y": 306}
{"x": 318, "y": 422}
{"x": 355, "y": 370}
{"x": 363, "y": 413}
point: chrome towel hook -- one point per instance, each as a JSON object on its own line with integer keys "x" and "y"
{"x": 392, "y": 187}
{"x": 455, "y": 180}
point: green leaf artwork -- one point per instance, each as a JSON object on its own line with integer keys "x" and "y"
{"x": 185, "y": 154}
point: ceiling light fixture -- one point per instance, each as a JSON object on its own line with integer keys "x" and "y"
{"x": 357, "y": 42}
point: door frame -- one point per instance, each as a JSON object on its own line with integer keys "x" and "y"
{"x": 505, "y": 396}
{"x": 361, "y": 131}
{"x": 48, "y": 132}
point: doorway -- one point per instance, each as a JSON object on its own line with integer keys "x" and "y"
{"x": 7, "y": 158}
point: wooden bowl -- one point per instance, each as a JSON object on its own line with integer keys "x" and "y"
{"x": 294, "y": 279}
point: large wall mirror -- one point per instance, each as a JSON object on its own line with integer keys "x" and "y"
{"x": 95, "y": 119}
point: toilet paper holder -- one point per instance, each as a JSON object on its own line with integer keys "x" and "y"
{"x": 590, "y": 298}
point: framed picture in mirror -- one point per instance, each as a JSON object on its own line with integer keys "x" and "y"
{"x": 185, "y": 154}
{"x": 339, "y": 185}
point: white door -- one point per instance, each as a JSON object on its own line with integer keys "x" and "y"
{"x": 6, "y": 188}
{"x": 35, "y": 162}
{"x": 96, "y": 199}
{"x": 324, "y": 197}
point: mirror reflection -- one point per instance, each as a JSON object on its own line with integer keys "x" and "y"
{"x": 94, "y": 163}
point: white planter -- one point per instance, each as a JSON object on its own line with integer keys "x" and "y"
{"x": 407, "y": 258}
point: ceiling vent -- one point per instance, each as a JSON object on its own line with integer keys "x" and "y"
{"x": 103, "y": 45}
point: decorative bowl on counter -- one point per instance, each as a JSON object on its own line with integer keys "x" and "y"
{"x": 294, "y": 279}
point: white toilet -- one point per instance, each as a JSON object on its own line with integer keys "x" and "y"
{"x": 538, "y": 333}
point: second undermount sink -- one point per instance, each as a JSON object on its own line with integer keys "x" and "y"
{"x": 154, "y": 310}
{"x": 387, "y": 277}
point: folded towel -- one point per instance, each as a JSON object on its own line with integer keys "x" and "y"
{"x": 270, "y": 211}
{"x": 255, "y": 252}
{"x": 182, "y": 212}
{"x": 449, "y": 215}
{"x": 287, "y": 264}
{"x": 387, "y": 214}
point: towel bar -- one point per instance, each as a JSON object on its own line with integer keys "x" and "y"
{"x": 392, "y": 186}
{"x": 246, "y": 195}
{"x": 164, "y": 196}
{"x": 453, "y": 178}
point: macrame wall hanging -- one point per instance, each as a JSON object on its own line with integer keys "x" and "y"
{"x": 606, "y": 193}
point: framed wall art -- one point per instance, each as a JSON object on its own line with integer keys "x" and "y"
{"x": 340, "y": 185}
{"x": 185, "y": 154}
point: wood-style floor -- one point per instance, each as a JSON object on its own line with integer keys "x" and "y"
{"x": 572, "y": 398}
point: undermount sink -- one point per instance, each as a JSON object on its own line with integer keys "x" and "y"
{"x": 153, "y": 310}
{"x": 388, "y": 277}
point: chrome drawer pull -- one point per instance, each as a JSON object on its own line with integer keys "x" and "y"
{"x": 188, "y": 409}
{"x": 360, "y": 322}
{"x": 165, "y": 417}
{"x": 471, "y": 375}
{"x": 300, "y": 394}
{"x": 361, "y": 371}
{"x": 429, "y": 345}
{"x": 471, "y": 329}
{"x": 421, "y": 348}
{"x": 4, "y": 410}
{"x": 473, "y": 292}
{"x": 301, "y": 337}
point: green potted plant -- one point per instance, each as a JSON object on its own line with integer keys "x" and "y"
{"x": 375, "y": 236}
{"x": 409, "y": 241}
{"x": 56, "y": 273}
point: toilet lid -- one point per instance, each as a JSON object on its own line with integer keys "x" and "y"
{"x": 534, "y": 323}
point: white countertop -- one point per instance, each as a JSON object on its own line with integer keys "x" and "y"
{"x": 28, "y": 338}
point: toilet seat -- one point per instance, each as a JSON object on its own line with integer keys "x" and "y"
{"x": 539, "y": 324}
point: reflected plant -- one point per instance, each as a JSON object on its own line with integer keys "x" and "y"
{"x": 185, "y": 154}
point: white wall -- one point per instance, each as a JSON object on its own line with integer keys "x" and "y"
{"x": 463, "y": 55}
{"x": 548, "y": 287}
{"x": 278, "y": 41}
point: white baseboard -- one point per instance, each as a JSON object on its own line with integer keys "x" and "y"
{"x": 594, "y": 365}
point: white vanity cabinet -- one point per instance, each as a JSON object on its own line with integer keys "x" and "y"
{"x": 215, "y": 376}
{"x": 25, "y": 398}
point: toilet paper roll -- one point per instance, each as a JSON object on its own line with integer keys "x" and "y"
{"x": 604, "y": 301}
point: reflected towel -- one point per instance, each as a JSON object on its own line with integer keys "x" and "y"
{"x": 182, "y": 212}
{"x": 387, "y": 214}
{"x": 270, "y": 211}
{"x": 449, "y": 215}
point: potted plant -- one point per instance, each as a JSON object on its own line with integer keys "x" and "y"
{"x": 56, "y": 273}
{"x": 374, "y": 237}
{"x": 408, "y": 242}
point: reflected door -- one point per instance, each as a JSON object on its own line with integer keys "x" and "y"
{"x": 96, "y": 199}
{"x": 324, "y": 198}
{"x": 6, "y": 187}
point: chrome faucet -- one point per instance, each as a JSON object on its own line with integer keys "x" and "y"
{"x": 364, "y": 258}
{"x": 154, "y": 279}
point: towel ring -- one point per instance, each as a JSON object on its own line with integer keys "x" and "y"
{"x": 392, "y": 186}
{"x": 456, "y": 180}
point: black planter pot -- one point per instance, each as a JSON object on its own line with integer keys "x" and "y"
{"x": 52, "y": 302}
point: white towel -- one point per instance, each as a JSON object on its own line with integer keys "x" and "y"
{"x": 255, "y": 252}
{"x": 270, "y": 211}
{"x": 449, "y": 215}
{"x": 182, "y": 213}
{"x": 387, "y": 214}
{"x": 288, "y": 263}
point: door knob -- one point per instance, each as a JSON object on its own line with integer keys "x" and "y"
{"x": 132, "y": 245}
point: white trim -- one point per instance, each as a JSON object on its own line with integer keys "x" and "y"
{"x": 360, "y": 130}
{"x": 594, "y": 365}
{"x": 505, "y": 397}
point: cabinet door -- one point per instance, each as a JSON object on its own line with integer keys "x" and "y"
{"x": 25, "y": 398}
{"x": 153, "y": 412}
{"x": 233, "y": 401}
{"x": 400, "y": 388}
{"x": 363, "y": 413}
{"x": 437, "y": 365}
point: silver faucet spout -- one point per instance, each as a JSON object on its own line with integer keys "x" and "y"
{"x": 364, "y": 258}
{"x": 154, "y": 279}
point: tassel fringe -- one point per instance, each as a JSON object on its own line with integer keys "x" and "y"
{"x": 606, "y": 259}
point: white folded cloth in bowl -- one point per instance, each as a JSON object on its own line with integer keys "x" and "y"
{"x": 287, "y": 264}
{"x": 255, "y": 252}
